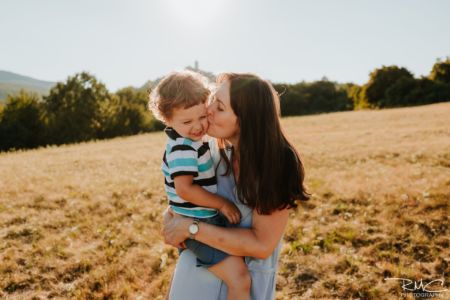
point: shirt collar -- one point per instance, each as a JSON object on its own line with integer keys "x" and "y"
{"x": 172, "y": 133}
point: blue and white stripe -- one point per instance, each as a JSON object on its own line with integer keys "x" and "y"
{"x": 186, "y": 157}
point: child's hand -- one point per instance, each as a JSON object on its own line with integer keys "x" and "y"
{"x": 231, "y": 212}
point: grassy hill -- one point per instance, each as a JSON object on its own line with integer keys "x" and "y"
{"x": 12, "y": 83}
{"x": 83, "y": 221}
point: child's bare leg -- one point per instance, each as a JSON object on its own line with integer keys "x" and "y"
{"x": 234, "y": 272}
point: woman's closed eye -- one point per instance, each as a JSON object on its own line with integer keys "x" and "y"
{"x": 187, "y": 122}
{"x": 217, "y": 105}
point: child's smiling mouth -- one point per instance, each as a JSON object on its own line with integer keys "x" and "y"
{"x": 199, "y": 134}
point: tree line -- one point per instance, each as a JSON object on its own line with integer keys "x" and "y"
{"x": 78, "y": 110}
{"x": 392, "y": 86}
{"x": 82, "y": 109}
{"x": 388, "y": 86}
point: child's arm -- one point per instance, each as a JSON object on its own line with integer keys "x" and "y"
{"x": 197, "y": 195}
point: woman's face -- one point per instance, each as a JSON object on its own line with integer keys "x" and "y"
{"x": 221, "y": 118}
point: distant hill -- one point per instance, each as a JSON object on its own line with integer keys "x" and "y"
{"x": 12, "y": 83}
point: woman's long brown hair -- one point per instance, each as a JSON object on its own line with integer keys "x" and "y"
{"x": 271, "y": 173}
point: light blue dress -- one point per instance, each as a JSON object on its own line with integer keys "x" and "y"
{"x": 192, "y": 283}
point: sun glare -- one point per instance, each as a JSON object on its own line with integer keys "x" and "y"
{"x": 197, "y": 13}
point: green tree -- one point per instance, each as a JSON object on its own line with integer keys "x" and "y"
{"x": 292, "y": 101}
{"x": 22, "y": 122}
{"x": 374, "y": 92}
{"x": 77, "y": 109}
{"x": 327, "y": 96}
{"x": 310, "y": 98}
{"x": 411, "y": 91}
{"x": 441, "y": 71}
{"x": 356, "y": 94}
{"x": 129, "y": 114}
{"x": 408, "y": 91}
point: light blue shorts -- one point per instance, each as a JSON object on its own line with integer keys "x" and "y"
{"x": 206, "y": 255}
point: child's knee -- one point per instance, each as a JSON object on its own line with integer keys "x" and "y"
{"x": 241, "y": 279}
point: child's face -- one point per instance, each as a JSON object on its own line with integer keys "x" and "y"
{"x": 190, "y": 122}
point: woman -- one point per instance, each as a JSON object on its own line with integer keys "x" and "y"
{"x": 256, "y": 168}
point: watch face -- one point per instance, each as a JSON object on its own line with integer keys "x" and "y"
{"x": 193, "y": 228}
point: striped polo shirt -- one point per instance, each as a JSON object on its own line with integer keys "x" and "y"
{"x": 184, "y": 156}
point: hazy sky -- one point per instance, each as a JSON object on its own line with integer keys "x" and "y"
{"x": 128, "y": 42}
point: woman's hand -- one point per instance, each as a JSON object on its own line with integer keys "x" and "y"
{"x": 175, "y": 230}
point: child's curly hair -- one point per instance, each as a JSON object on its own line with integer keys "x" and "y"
{"x": 182, "y": 89}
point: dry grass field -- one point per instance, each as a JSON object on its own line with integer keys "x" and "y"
{"x": 83, "y": 221}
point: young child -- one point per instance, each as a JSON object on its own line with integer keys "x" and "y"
{"x": 179, "y": 100}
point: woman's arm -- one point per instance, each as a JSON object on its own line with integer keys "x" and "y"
{"x": 258, "y": 241}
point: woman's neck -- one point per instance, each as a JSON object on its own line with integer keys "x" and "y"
{"x": 234, "y": 142}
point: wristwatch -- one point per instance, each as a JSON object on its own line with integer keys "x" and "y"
{"x": 193, "y": 229}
